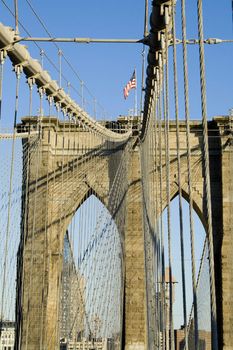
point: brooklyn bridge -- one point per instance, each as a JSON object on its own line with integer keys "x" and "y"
{"x": 115, "y": 233}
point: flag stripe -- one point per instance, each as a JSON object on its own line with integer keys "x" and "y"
{"x": 132, "y": 84}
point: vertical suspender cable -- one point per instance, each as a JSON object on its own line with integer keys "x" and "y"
{"x": 162, "y": 287}
{"x": 60, "y": 71}
{"x": 42, "y": 52}
{"x": 54, "y": 198}
{"x": 45, "y": 219}
{"x": 25, "y": 195}
{"x": 2, "y": 59}
{"x": 18, "y": 72}
{"x": 167, "y": 149}
{"x": 34, "y": 207}
{"x": 207, "y": 175}
{"x": 143, "y": 74}
{"x": 143, "y": 53}
{"x": 154, "y": 216}
{"x": 16, "y": 18}
{"x": 146, "y": 19}
{"x": 82, "y": 94}
{"x": 157, "y": 215}
{"x": 179, "y": 176}
{"x": 186, "y": 95}
{"x": 30, "y": 84}
{"x": 62, "y": 204}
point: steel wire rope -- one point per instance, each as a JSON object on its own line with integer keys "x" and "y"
{"x": 83, "y": 305}
{"x": 112, "y": 219}
{"x": 13, "y": 237}
{"x": 114, "y": 204}
{"x": 62, "y": 200}
{"x": 82, "y": 173}
{"x": 68, "y": 162}
{"x": 81, "y": 298}
{"x": 26, "y": 31}
{"x": 90, "y": 170}
{"x": 189, "y": 325}
{"x": 207, "y": 175}
{"x": 95, "y": 277}
{"x": 179, "y": 176}
{"x": 161, "y": 288}
{"x": 147, "y": 245}
{"x": 46, "y": 218}
{"x": 61, "y": 220}
{"x": 61, "y": 216}
{"x": 30, "y": 289}
{"x": 158, "y": 251}
{"x": 111, "y": 270}
{"x": 152, "y": 221}
{"x": 166, "y": 283}
{"x": 64, "y": 57}
{"x": 155, "y": 215}
{"x": 2, "y": 59}
{"x": 78, "y": 280}
{"x": 122, "y": 266}
{"x": 168, "y": 195}
{"x": 108, "y": 226}
{"x": 163, "y": 301}
{"x": 82, "y": 228}
{"x": 62, "y": 211}
{"x": 95, "y": 258}
{"x": 73, "y": 148}
{"x": 40, "y": 92}
{"x": 40, "y": 49}
{"x": 90, "y": 216}
{"x": 148, "y": 215}
{"x": 123, "y": 188}
{"x": 83, "y": 198}
{"x": 106, "y": 277}
{"x": 72, "y": 181}
{"x": 143, "y": 53}
{"x": 18, "y": 72}
{"x": 90, "y": 290}
{"x": 25, "y": 195}
{"x": 86, "y": 198}
{"x": 53, "y": 211}
{"x": 55, "y": 208}
{"x": 112, "y": 222}
{"x": 190, "y": 185}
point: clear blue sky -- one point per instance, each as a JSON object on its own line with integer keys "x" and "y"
{"x": 105, "y": 68}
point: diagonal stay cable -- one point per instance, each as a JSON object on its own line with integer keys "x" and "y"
{"x": 58, "y": 48}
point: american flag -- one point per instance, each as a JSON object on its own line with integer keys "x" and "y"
{"x": 132, "y": 84}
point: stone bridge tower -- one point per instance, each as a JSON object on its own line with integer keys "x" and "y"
{"x": 56, "y": 166}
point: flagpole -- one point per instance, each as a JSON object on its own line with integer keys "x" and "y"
{"x": 135, "y": 96}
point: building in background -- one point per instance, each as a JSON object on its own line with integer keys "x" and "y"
{"x": 204, "y": 339}
{"x": 7, "y": 335}
{"x": 86, "y": 344}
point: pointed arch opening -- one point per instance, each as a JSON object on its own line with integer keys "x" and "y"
{"x": 91, "y": 288}
{"x": 202, "y": 275}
